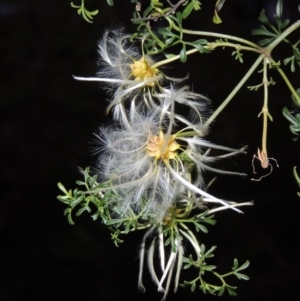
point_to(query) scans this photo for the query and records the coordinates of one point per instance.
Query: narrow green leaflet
(86, 15)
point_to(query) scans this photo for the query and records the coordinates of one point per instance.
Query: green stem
(223, 276)
(173, 58)
(235, 90)
(217, 35)
(288, 83)
(265, 110)
(236, 46)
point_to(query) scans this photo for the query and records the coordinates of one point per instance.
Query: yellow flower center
(157, 147)
(141, 70)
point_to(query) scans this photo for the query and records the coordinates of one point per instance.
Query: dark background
(47, 121)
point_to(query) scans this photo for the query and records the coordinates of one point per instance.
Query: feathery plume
(149, 163)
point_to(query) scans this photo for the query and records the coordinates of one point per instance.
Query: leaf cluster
(104, 203)
(203, 267)
(273, 31)
(293, 118)
(166, 37)
(86, 14)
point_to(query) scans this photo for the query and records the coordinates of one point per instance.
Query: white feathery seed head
(123, 68)
(150, 163)
(131, 80)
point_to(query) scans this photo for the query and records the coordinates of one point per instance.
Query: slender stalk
(288, 83)
(215, 34)
(236, 46)
(235, 90)
(265, 110)
(173, 58)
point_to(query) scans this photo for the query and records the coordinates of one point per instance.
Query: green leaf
(179, 17)
(231, 292)
(216, 19)
(294, 98)
(110, 2)
(69, 216)
(241, 276)
(218, 7)
(147, 11)
(188, 9)
(81, 210)
(74, 6)
(201, 227)
(182, 55)
(208, 267)
(289, 116)
(279, 8)
(209, 254)
(166, 32)
(243, 266)
(285, 23)
(113, 222)
(263, 31)
(77, 200)
(193, 286)
(265, 42)
(221, 291)
(62, 188)
(235, 264)
(95, 216)
(263, 18)
(170, 40)
(296, 176)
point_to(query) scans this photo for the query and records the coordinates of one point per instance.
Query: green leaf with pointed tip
(241, 276)
(179, 18)
(62, 188)
(263, 18)
(244, 266)
(221, 291)
(182, 55)
(263, 31)
(193, 286)
(201, 227)
(208, 267)
(265, 42)
(166, 32)
(231, 292)
(188, 9)
(74, 6)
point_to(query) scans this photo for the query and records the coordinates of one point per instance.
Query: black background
(47, 121)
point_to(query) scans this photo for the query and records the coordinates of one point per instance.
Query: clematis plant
(149, 175)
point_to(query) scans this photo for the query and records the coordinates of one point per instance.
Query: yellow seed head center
(141, 70)
(158, 147)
